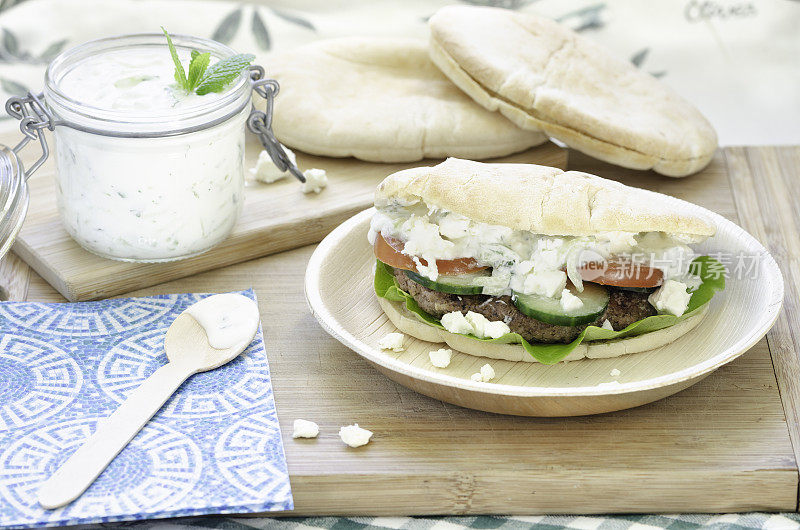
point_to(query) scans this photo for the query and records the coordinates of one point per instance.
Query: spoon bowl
(186, 343)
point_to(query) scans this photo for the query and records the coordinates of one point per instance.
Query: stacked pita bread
(400, 100)
(383, 100)
(544, 77)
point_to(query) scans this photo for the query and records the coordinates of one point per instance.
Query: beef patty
(624, 308)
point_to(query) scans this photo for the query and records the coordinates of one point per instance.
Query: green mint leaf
(223, 72)
(197, 67)
(180, 74)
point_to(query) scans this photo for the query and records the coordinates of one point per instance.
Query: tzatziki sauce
(229, 319)
(522, 262)
(147, 199)
(137, 80)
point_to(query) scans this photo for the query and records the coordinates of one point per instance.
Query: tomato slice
(390, 251)
(621, 274)
(387, 252)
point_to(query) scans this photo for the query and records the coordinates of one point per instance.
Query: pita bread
(540, 199)
(382, 100)
(406, 322)
(545, 77)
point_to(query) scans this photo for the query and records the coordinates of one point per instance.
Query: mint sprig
(203, 79)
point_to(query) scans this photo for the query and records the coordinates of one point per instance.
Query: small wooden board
(721, 445)
(276, 217)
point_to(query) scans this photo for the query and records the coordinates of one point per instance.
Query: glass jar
(13, 197)
(137, 181)
(144, 172)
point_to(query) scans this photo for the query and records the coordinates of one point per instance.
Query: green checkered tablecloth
(770, 521)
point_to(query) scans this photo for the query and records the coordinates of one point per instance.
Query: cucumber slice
(544, 309)
(456, 284)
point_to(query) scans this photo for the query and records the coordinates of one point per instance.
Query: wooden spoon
(189, 351)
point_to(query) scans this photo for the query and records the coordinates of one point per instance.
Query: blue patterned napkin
(215, 447)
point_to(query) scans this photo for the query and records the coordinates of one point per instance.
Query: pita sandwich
(545, 77)
(383, 100)
(530, 263)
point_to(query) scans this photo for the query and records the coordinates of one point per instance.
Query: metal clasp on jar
(260, 123)
(33, 116)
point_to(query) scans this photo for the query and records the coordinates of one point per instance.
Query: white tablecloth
(737, 60)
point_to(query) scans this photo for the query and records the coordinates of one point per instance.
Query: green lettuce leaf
(711, 272)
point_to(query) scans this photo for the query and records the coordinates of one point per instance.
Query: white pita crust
(383, 100)
(541, 199)
(545, 77)
(406, 322)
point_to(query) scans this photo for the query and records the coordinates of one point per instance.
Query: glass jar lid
(13, 197)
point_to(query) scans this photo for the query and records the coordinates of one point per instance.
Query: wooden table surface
(724, 444)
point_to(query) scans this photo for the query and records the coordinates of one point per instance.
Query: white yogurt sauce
(131, 79)
(228, 319)
(147, 199)
(521, 261)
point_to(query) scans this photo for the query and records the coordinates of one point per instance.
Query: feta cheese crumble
(615, 373)
(495, 329)
(316, 180)
(453, 226)
(392, 341)
(570, 302)
(618, 241)
(440, 358)
(474, 324)
(545, 283)
(485, 375)
(305, 429)
(455, 322)
(607, 325)
(355, 436)
(266, 171)
(671, 298)
(478, 322)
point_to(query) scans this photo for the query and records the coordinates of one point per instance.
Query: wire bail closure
(260, 123)
(33, 117)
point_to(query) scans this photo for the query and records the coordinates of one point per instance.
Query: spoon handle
(111, 436)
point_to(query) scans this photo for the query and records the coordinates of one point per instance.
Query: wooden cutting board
(275, 217)
(723, 444)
